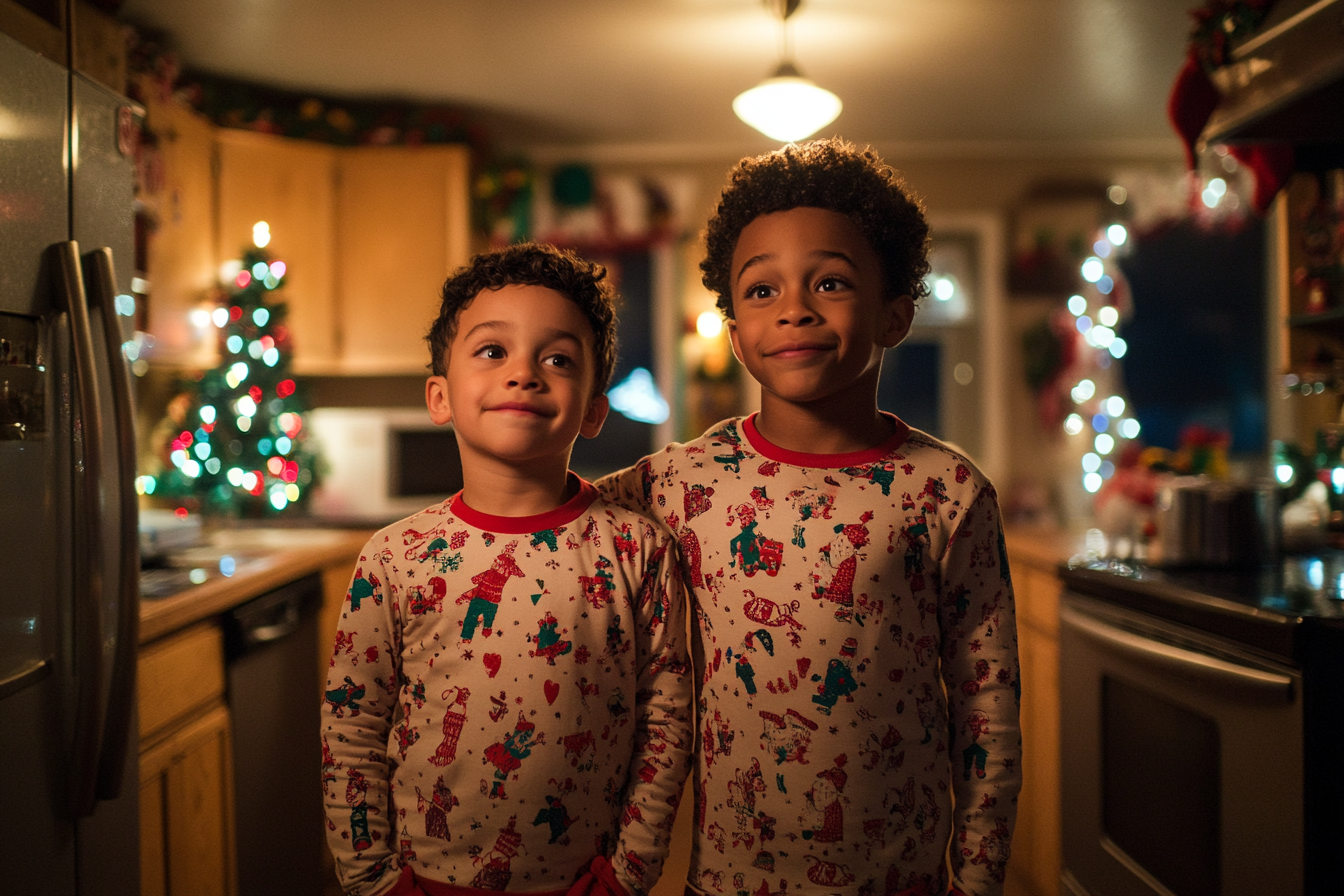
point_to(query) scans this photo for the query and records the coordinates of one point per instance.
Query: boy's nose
(524, 376)
(795, 309)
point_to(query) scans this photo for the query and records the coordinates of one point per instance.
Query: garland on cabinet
(233, 441)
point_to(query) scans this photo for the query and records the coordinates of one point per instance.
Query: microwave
(381, 464)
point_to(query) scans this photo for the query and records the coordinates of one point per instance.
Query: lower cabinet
(186, 767)
(1034, 867)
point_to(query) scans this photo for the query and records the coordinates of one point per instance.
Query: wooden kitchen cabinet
(402, 224)
(1034, 867)
(186, 767)
(181, 263)
(289, 184)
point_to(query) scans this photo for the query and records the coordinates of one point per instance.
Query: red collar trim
(567, 512)
(765, 448)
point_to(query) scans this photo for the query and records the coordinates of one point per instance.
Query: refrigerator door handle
(88, 581)
(101, 283)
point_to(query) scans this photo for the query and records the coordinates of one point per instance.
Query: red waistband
(408, 884)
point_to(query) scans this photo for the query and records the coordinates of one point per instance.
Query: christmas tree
(237, 445)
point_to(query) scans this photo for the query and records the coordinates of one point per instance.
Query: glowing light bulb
(1092, 269)
(1129, 428)
(261, 234)
(1118, 347)
(1092, 482)
(1073, 424)
(260, 316)
(709, 324)
(1077, 305)
(220, 317)
(1117, 234)
(1091, 462)
(1284, 473)
(1115, 405)
(1104, 443)
(207, 414)
(1083, 391)
(1108, 316)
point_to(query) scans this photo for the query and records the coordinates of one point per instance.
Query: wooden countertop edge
(163, 616)
(1040, 546)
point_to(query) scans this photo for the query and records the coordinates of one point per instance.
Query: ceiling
(655, 78)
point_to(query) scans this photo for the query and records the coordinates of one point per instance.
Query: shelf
(1322, 319)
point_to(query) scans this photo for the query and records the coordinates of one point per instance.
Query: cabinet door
(180, 266)
(186, 810)
(1036, 840)
(290, 185)
(402, 226)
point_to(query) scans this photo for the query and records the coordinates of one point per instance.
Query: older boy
(508, 696)
(854, 639)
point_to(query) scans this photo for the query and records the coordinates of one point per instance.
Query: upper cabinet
(402, 225)
(1286, 82)
(368, 235)
(289, 184)
(180, 204)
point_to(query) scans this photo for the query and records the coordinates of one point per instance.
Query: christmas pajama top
(507, 698)
(856, 653)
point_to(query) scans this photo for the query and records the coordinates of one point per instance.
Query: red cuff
(598, 880)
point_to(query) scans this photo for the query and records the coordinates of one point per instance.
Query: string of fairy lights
(1099, 410)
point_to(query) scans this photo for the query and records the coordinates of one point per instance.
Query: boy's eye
(490, 352)
(563, 361)
(831, 284)
(759, 291)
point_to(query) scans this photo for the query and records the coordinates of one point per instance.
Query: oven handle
(1254, 683)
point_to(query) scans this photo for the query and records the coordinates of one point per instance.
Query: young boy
(854, 633)
(508, 701)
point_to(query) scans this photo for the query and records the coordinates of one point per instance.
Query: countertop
(261, 559)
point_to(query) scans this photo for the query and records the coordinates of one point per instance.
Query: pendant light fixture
(787, 106)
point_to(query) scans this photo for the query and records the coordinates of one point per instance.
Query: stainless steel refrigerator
(68, 547)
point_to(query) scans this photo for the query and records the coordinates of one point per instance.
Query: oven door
(1181, 760)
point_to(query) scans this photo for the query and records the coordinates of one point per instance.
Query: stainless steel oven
(1182, 759)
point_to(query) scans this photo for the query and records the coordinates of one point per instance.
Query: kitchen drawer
(179, 674)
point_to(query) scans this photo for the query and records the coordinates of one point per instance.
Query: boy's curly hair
(531, 264)
(831, 174)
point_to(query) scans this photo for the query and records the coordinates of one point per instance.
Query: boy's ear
(732, 340)
(900, 315)
(436, 399)
(594, 417)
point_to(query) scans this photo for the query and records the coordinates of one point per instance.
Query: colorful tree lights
(237, 445)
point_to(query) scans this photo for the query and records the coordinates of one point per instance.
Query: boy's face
(521, 368)
(811, 314)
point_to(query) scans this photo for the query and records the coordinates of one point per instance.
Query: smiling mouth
(798, 350)
(521, 408)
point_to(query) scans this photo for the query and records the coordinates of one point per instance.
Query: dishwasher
(272, 656)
